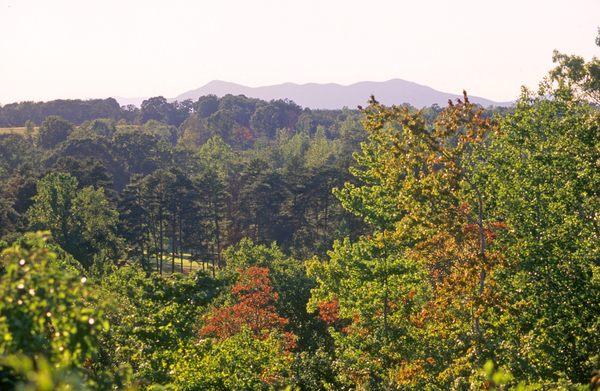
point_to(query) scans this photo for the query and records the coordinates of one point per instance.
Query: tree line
(183, 190)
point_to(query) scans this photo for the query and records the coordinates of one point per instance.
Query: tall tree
(543, 176)
(53, 131)
(83, 222)
(576, 76)
(427, 271)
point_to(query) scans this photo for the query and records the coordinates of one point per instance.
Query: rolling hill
(335, 96)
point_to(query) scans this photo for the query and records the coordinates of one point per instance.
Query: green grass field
(17, 130)
(187, 264)
(22, 129)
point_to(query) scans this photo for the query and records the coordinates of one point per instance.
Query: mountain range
(331, 95)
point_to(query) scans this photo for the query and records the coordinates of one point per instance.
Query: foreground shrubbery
(48, 314)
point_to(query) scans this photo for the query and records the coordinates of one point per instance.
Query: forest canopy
(232, 243)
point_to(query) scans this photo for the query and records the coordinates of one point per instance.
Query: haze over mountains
(331, 95)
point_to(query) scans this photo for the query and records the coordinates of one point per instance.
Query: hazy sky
(66, 49)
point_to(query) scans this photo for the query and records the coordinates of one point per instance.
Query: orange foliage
(329, 311)
(255, 309)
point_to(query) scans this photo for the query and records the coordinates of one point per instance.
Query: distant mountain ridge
(336, 96)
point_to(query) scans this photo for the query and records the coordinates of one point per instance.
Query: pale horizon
(66, 49)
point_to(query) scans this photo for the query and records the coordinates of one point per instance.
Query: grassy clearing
(16, 130)
(187, 264)
(22, 129)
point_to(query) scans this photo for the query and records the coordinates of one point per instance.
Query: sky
(52, 49)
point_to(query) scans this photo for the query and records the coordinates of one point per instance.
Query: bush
(242, 362)
(47, 311)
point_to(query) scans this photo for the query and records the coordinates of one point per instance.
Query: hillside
(336, 96)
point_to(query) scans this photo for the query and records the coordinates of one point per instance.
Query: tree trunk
(161, 239)
(180, 242)
(483, 273)
(173, 242)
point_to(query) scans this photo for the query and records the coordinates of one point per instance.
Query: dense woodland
(233, 243)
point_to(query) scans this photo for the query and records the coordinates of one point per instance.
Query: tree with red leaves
(254, 309)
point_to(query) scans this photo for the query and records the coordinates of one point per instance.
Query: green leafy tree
(206, 105)
(241, 362)
(129, 142)
(422, 280)
(37, 374)
(52, 206)
(102, 127)
(96, 222)
(543, 173)
(151, 317)
(576, 76)
(47, 310)
(88, 171)
(134, 224)
(53, 131)
(216, 160)
(83, 222)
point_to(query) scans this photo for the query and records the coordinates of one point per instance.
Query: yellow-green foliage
(241, 362)
(45, 309)
(48, 313)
